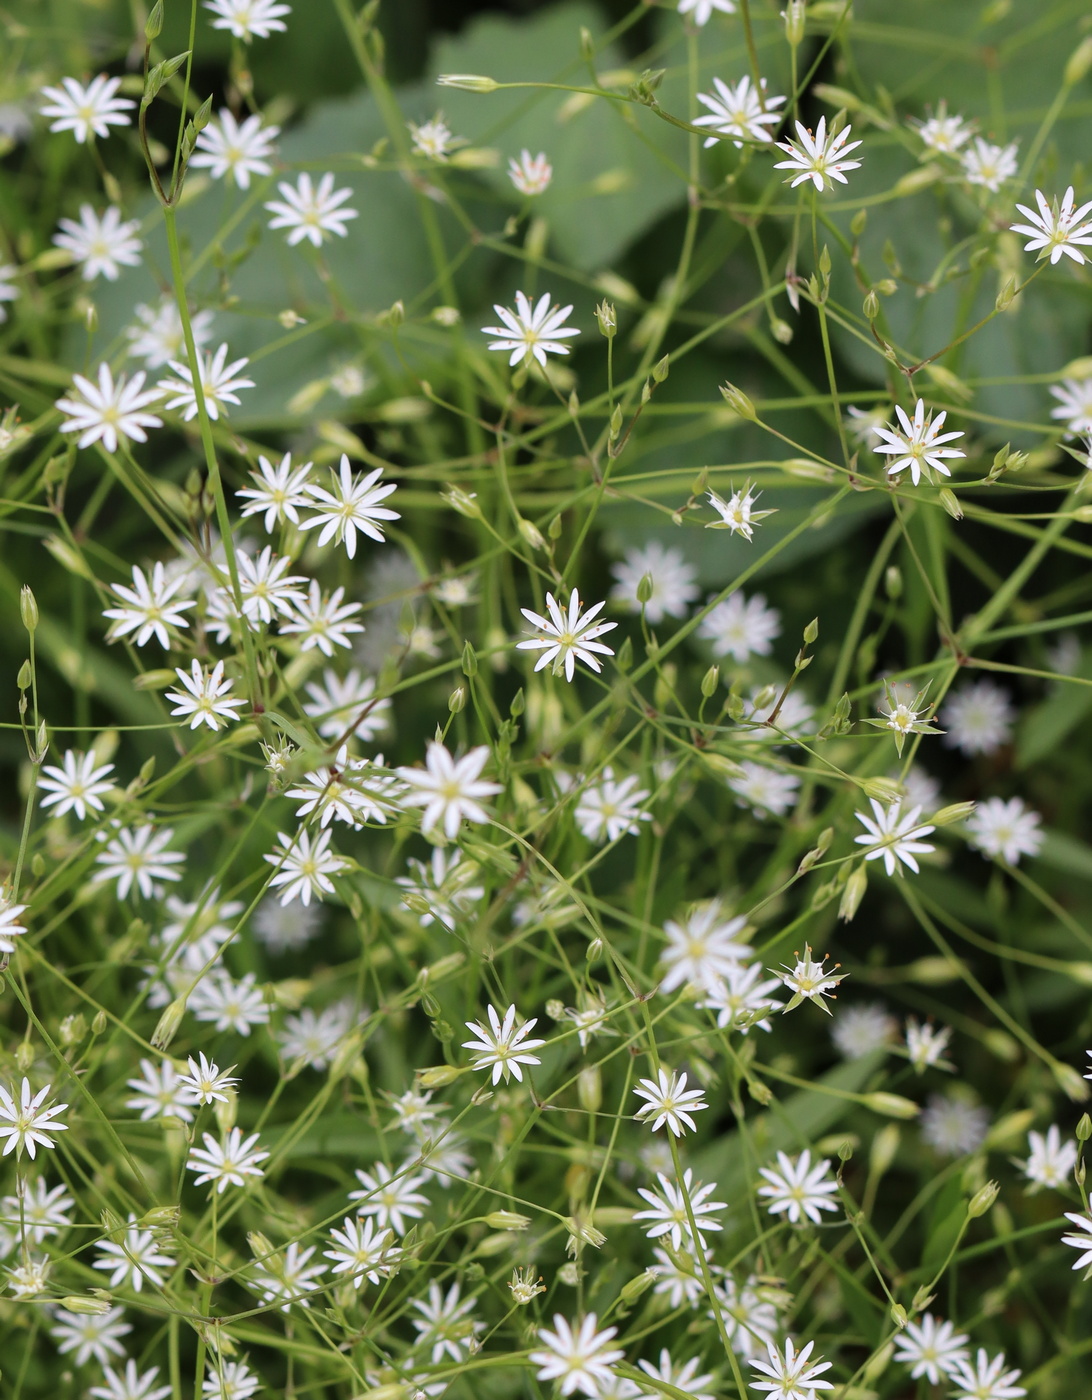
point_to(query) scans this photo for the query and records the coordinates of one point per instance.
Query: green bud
(397, 314)
(892, 582)
(950, 503)
(709, 682)
(438, 1076)
(160, 74)
(660, 369)
(555, 527)
(607, 318)
(1084, 1128)
(738, 401)
(811, 631)
(518, 705)
(1007, 294)
(858, 223)
(589, 1088)
(507, 1220)
(853, 893)
(28, 608)
(470, 660)
(91, 1307)
(983, 1199)
(25, 677)
(99, 1024)
(796, 16)
(884, 1147)
(587, 44)
(616, 421)
(1080, 62)
(574, 404)
(153, 26)
(167, 1026)
(645, 588)
(456, 701)
(468, 82)
(871, 305)
(898, 1315)
(954, 812)
(531, 534)
(633, 1289)
(624, 658)
(891, 1105)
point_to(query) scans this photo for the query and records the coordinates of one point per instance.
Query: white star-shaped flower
(567, 637)
(531, 331)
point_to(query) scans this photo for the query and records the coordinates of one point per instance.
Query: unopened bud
(853, 893)
(871, 305)
(954, 812)
(891, 1105)
(1080, 61)
(595, 950)
(811, 631)
(1007, 294)
(468, 82)
(892, 582)
(884, 1147)
(661, 369)
(438, 1076)
(226, 1111)
(645, 588)
(589, 1088)
(738, 401)
(795, 21)
(709, 681)
(167, 1026)
(633, 1289)
(397, 314)
(470, 660)
(153, 25)
(90, 1307)
(456, 701)
(983, 1199)
(28, 609)
(463, 502)
(950, 502)
(25, 678)
(532, 535)
(898, 1315)
(507, 1220)
(1084, 1128)
(1070, 1082)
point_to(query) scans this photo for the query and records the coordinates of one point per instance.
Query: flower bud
(531, 534)
(438, 1076)
(470, 660)
(468, 82)
(1080, 61)
(456, 701)
(891, 1105)
(884, 1147)
(226, 1111)
(25, 678)
(589, 1088)
(1070, 1082)
(1084, 1128)
(168, 1023)
(853, 893)
(983, 1199)
(795, 13)
(738, 401)
(871, 305)
(709, 681)
(634, 1287)
(28, 609)
(645, 588)
(811, 631)
(153, 25)
(950, 501)
(91, 1307)
(1007, 294)
(898, 1315)
(465, 503)
(607, 317)
(507, 1220)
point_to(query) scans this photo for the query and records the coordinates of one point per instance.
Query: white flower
(988, 165)
(1074, 404)
(445, 1323)
(352, 505)
(765, 790)
(133, 1385)
(247, 19)
(576, 1355)
(1056, 230)
(267, 591)
(702, 948)
(531, 332)
(738, 513)
(227, 1163)
(102, 246)
(229, 1005)
(340, 704)
(236, 150)
(362, 1251)
(304, 867)
(278, 491)
(1005, 830)
(322, 620)
(1050, 1160)
(351, 790)
(818, 158)
(90, 1335)
(953, 1125)
(798, 1190)
(986, 1379)
(611, 809)
(749, 1313)
(567, 637)
(809, 980)
(702, 10)
(158, 338)
(862, 1030)
(36, 1211)
(931, 1348)
(502, 1045)
(1082, 1240)
(229, 1380)
(893, 837)
(668, 1100)
(311, 213)
(151, 606)
(741, 627)
(741, 1000)
(10, 927)
(24, 1123)
(531, 175)
(390, 1196)
(433, 139)
(76, 785)
(978, 718)
(944, 134)
(162, 1093)
(449, 789)
(918, 443)
(30, 1278)
(926, 1044)
(441, 891)
(741, 111)
(673, 585)
(316, 1038)
(100, 412)
(205, 697)
(668, 1212)
(138, 854)
(793, 1376)
(206, 1081)
(285, 928)
(218, 384)
(289, 1276)
(87, 111)
(684, 1378)
(136, 1258)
